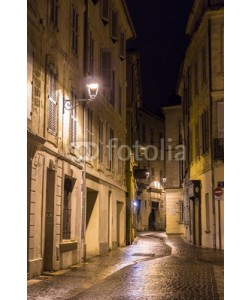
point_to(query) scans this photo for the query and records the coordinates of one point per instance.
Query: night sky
(161, 41)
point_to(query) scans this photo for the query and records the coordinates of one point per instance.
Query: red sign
(218, 192)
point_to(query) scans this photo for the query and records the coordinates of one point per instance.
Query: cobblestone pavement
(154, 267)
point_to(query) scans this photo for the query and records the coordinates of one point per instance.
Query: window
(73, 119)
(120, 100)
(91, 54)
(107, 74)
(30, 55)
(74, 31)
(112, 98)
(207, 213)
(68, 184)
(122, 45)
(101, 126)
(197, 141)
(220, 119)
(222, 49)
(105, 10)
(89, 132)
(205, 132)
(52, 97)
(110, 148)
(114, 25)
(204, 66)
(119, 159)
(196, 78)
(190, 145)
(54, 13)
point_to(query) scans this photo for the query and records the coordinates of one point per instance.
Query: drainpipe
(211, 132)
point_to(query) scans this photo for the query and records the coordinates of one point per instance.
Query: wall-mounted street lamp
(92, 88)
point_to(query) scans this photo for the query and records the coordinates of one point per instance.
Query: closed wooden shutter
(122, 45)
(114, 26)
(29, 78)
(52, 109)
(105, 10)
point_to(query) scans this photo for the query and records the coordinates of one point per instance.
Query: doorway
(49, 221)
(119, 227)
(92, 223)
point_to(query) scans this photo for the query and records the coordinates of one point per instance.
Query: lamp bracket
(71, 104)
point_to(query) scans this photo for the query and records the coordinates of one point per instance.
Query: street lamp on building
(92, 88)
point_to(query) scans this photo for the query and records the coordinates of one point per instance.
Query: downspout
(211, 131)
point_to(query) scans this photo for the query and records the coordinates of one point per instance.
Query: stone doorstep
(56, 273)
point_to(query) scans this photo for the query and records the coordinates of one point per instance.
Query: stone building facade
(76, 195)
(150, 199)
(201, 86)
(174, 156)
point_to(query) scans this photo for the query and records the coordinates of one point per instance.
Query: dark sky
(161, 41)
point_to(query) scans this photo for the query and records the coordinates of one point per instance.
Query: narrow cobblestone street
(154, 267)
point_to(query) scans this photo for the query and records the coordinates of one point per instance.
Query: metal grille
(66, 223)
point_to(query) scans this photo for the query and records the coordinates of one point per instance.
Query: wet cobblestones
(188, 273)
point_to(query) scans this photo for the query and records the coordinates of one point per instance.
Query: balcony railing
(218, 145)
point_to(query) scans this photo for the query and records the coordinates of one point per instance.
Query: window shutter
(74, 31)
(220, 119)
(122, 45)
(114, 25)
(108, 154)
(112, 100)
(29, 78)
(52, 113)
(105, 10)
